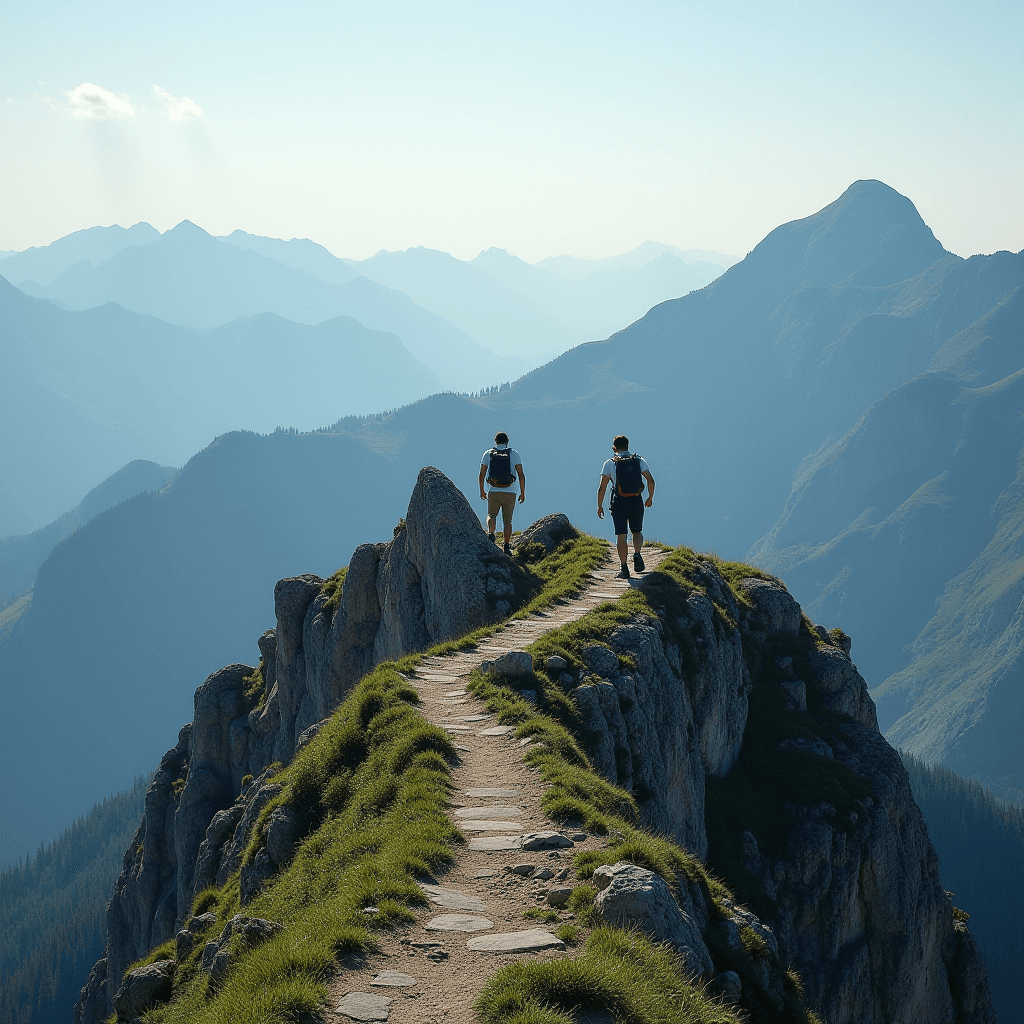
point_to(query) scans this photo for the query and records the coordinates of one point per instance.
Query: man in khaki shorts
(499, 467)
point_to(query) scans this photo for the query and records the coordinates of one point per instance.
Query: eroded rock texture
(438, 578)
(856, 907)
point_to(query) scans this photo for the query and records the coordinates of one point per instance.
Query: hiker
(629, 471)
(496, 468)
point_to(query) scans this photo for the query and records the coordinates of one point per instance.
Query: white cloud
(97, 104)
(179, 108)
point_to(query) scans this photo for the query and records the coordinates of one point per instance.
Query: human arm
(483, 473)
(522, 482)
(650, 488)
(605, 481)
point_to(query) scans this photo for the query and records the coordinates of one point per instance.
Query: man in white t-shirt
(499, 467)
(626, 471)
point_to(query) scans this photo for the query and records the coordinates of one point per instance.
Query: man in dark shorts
(626, 472)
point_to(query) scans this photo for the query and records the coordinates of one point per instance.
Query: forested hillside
(980, 842)
(53, 923)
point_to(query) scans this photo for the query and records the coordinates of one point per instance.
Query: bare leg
(492, 524)
(638, 542)
(622, 546)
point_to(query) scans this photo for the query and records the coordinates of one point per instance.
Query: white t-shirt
(608, 469)
(514, 460)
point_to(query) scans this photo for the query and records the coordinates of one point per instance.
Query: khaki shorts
(506, 501)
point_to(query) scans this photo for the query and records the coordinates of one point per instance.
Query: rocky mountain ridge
(671, 706)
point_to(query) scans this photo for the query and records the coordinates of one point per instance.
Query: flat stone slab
(473, 718)
(456, 728)
(544, 841)
(394, 979)
(453, 900)
(516, 942)
(484, 873)
(493, 844)
(469, 825)
(500, 794)
(458, 923)
(455, 693)
(364, 1006)
(498, 730)
(488, 812)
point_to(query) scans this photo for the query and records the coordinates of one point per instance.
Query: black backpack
(499, 473)
(629, 482)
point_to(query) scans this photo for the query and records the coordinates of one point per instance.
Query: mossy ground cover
(371, 790)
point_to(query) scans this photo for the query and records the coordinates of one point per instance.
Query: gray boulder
(549, 532)
(143, 988)
(600, 659)
(282, 832)
(514, 663)
(633, 897)
(776, 608)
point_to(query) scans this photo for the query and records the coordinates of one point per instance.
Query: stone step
(451, 899)
(531, 940)
(488, 812)
(458, 923)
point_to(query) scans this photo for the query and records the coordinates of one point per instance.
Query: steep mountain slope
(85, 392)
(20, 557)
(42, 264)
(53, 910)
(303, 814)
(980, 843)
(188, 277)
(917, 503)
(724, 391)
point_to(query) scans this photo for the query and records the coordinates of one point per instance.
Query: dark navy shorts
(628, 511)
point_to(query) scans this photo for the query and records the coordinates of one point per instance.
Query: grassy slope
(371, 791)
(616, 971)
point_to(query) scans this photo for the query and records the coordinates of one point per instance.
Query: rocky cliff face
(437, 579)
(855, 905)
(727, 684)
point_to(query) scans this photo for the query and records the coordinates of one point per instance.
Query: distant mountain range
(729, 392)
(85, 392)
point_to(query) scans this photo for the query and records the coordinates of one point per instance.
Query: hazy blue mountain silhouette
(725, 391)
(512, 305)
(507, 304)
(189, 277)
(576, 268)
(85, 392)
(42, 264)
(21, 556)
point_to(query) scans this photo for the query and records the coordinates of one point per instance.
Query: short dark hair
(501, 437)
(621, 443)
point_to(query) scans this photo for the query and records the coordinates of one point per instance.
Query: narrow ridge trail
(426, 973)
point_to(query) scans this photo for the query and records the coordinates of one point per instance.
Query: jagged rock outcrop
(854, 903)
(634, 897)
(548, 532)
(438, 578)
(858, 907)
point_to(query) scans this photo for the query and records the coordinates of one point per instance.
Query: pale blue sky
(541, 128)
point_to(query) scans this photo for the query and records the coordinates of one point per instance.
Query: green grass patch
(568, 933)
(541, 914)
(370, 791)
(616, 971)
(332, 589)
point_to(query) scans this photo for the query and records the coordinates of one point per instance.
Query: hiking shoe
(623, 573)
(490, 537)
(638, 562)
(507, 548)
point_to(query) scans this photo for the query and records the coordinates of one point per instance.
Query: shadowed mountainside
(724, 391)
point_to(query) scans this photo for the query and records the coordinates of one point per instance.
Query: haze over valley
(287, 735)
